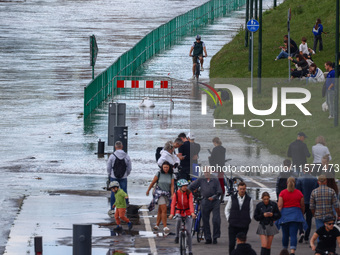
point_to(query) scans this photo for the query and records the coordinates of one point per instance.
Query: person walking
(298, 151)
(242, 247)
(119, 168)
(162, 193)
(328, 236)
(210, 192)
(330, 88)
(195, 149)
(184, 156)
(120, 205)
(306, 183)
(217, 161)
(292, 207)
(318, 31)
(281, 181)
(319, 150)
(266, 212)
(239, 212)
(182, 205)
(322, 201)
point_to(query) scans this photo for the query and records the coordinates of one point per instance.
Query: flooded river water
(44, 66)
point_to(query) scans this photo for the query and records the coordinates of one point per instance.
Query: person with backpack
(183, 206)
(119, 168)
(161, 195)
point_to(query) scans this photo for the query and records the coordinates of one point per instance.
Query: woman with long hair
(318, 31)
(266, 212)
(162, 193)
(292, 207)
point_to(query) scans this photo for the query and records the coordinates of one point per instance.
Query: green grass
(232, 62)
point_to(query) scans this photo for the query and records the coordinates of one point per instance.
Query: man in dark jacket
(210, 192)
(306, 183)
(239, 212)
(242, 248)
(298, 151)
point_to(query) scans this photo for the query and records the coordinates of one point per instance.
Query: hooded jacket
(120, 154)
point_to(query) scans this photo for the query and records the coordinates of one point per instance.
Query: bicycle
(197, 68)
(197, 226)
(231, 183)
(183, 246)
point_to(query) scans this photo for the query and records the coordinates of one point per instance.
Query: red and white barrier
(141, 84)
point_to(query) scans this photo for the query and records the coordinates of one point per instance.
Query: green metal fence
(160, 38)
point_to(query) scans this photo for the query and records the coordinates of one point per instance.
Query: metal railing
(155, 41)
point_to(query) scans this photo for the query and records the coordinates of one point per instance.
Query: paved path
(166, 245)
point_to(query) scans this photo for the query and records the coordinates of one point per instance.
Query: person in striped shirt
(322, 201)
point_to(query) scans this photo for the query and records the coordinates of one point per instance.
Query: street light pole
(259, 68)
(336, 101)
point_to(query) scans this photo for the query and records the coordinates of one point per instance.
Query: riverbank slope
(231, 63)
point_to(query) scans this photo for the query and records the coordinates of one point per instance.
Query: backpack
(158, 153)
(119, 167)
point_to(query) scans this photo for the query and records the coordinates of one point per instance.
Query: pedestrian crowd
(301, 195)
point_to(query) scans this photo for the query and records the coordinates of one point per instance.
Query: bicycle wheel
(200, 232)
(235, 181)
(182, 243)
(198, 70)
(193, 229)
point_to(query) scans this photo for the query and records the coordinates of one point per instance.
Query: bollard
(38, 246)
(101, 146)
(82, 242)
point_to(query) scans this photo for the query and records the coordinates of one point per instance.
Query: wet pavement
(52, 215)
(46, 144)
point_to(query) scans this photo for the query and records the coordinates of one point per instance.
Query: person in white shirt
(303, 48)
(315, 74)
(239, 212)
(319, 150)
(167, 154)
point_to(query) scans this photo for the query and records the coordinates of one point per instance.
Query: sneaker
(193, 77)
(118, 228)
(130, 225)
(155, 227)
(215, 241)
(330, 117)
(177, 239)
(275, 59)
(208, 241)
(166, 230)
(202, 69)
(302, 236)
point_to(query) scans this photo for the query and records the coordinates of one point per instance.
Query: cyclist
(328, 236)
(183, 205)
(196, 51)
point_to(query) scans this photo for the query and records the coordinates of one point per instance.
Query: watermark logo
(239, 104)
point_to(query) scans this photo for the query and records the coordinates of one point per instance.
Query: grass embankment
(232, 62)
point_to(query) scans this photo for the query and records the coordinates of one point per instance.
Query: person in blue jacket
(317, 31)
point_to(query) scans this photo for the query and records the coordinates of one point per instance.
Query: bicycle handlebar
(176, 216)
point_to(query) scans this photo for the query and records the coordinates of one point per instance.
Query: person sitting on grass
(328, 237)
(303, 48)
(315, 74)
(120, 205)
(301, 67)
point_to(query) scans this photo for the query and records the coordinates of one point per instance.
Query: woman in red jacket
(182, 205)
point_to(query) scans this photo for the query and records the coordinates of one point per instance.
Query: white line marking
(147, 224)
